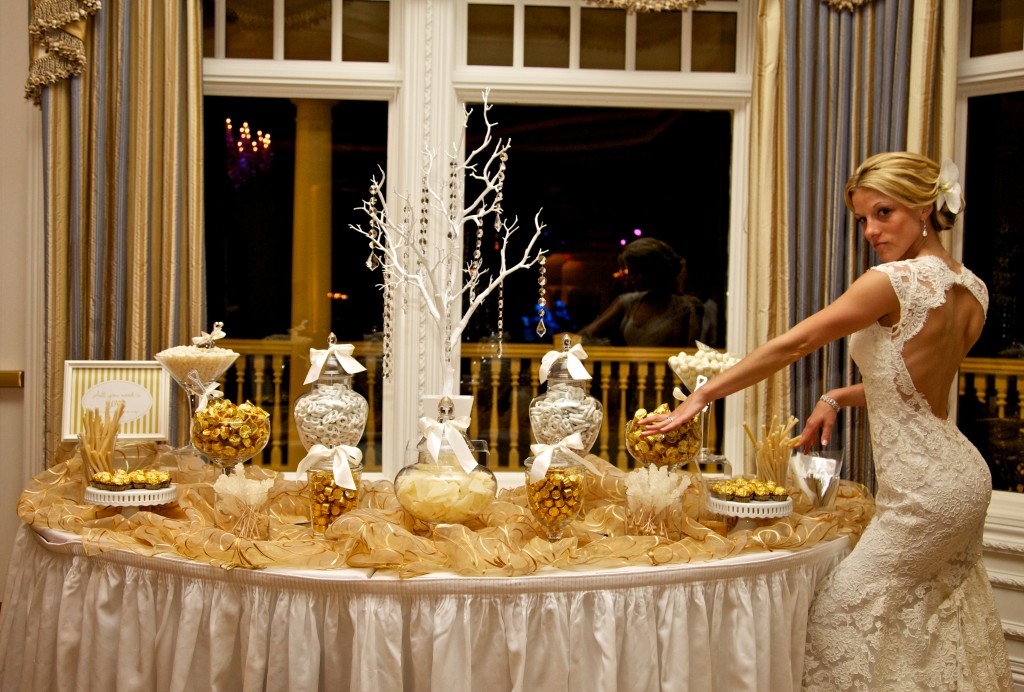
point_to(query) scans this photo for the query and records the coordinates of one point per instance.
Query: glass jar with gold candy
(330, 419)
(674, 449)
(230, 434)
(555, 489)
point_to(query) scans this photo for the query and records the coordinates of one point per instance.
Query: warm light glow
(337, 296)
(247, 157)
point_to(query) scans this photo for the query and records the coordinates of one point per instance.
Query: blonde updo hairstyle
(910, 179)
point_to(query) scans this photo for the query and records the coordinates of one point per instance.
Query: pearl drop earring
(924, 230)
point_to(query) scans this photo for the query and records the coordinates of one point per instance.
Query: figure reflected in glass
(657, 311)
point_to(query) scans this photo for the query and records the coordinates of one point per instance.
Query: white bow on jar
(452, 430)
(340, 456)
(542, 455)
(573, 361)
(343, 352)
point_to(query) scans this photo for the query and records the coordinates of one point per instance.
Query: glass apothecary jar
(565, 407)
(555, 490)
(330, 419)
(445, 484)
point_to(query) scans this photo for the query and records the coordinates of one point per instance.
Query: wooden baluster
(1001, 383)
(622, 459)
(241, 366)
(370, 455)
(534, 388)
(641, 385)
(606, 380)
(492, 430)
(981, 393)
(474, 389)
(281, 410)
(660, 372)
(1020, 396)
(259, 363)
(961, 385)
(513, 415)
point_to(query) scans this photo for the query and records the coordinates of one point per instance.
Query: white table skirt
(118, 621)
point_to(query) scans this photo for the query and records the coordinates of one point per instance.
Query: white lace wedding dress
(911, 608)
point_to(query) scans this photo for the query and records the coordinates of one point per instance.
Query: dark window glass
(546, 36)
(307, 30)
(997, 26)
(714, 42)
(599, 177)
(489, 35)
(659, 41)
(249, 29)
(365, 27)
(603, 39)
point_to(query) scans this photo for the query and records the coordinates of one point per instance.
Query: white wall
(20, 270)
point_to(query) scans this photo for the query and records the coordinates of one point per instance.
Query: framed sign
(143, 385)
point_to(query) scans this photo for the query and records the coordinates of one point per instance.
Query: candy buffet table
(121, 621)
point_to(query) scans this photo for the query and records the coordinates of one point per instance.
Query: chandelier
(246, 157)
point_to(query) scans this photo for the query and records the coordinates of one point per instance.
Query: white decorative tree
(437, 272)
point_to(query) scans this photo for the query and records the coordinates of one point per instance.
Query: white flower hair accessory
(949, 187)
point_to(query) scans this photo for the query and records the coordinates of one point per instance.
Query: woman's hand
(654, 425)
(822, 418)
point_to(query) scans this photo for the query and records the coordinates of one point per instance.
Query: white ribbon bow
(343, 352)
(340, 457)
(204, 390)
(949, 186)
(542, 455)
(452, 430)
(573, 358)
(205, 339)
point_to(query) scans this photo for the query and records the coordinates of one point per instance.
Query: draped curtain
(832, 87)
(123, 188)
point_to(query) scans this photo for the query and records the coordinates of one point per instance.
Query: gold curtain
(123, 192)
(768, 291)
(933, 63)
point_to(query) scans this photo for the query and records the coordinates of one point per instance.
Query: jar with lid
(445, 484)
(565, 407)
(555, 488)
(330, 419)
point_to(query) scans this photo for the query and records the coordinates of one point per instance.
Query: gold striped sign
(143, 385)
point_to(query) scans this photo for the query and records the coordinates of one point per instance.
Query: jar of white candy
(330, 419)
(446, 484)
(566, 407)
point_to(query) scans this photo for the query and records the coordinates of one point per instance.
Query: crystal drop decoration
(372, 262)
(541, 329)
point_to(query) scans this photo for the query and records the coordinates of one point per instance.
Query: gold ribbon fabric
(504, 541)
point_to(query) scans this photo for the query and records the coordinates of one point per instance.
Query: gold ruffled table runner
(504, 541)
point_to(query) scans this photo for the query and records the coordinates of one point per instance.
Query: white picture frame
(143, 385)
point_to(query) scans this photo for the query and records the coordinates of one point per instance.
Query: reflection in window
(997, 26)
(602, 177)
(546, 37)
(603, 39)
(489, 34)
(714, 42)
(661, 47)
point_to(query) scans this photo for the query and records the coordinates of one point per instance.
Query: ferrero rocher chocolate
(677, 446)
(223, 430)
(328, 501)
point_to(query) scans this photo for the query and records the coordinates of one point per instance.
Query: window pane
(997, 26)
(994, 250)
(307, 30)
(489, 35)
(209, 17)
(250, 29)
(603, 39)
(591, 174)
(546, 37)
(659, 41)
(714, 42)
(365, 26)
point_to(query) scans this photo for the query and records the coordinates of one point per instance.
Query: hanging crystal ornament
(499, 196)
(373, 262)
(474, 265)
(542, 301)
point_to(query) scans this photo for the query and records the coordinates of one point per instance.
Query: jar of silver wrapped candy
(566, 407)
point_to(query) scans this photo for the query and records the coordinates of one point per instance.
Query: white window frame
(426, 91)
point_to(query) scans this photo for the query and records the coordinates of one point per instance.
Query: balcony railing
(270, 373)
(623, 379)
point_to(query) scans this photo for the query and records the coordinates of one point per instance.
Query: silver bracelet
(830, 401)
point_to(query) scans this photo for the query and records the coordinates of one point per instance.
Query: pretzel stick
(98, 437)
(773, 451)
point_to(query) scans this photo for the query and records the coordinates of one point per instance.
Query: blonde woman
(911, 607)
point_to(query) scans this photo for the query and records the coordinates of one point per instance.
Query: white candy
(556, 415)
(331, 416)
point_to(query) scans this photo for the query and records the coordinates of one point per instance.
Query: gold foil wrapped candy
(327, 499)
(557, 497)
(228, 433)
(677, 446)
